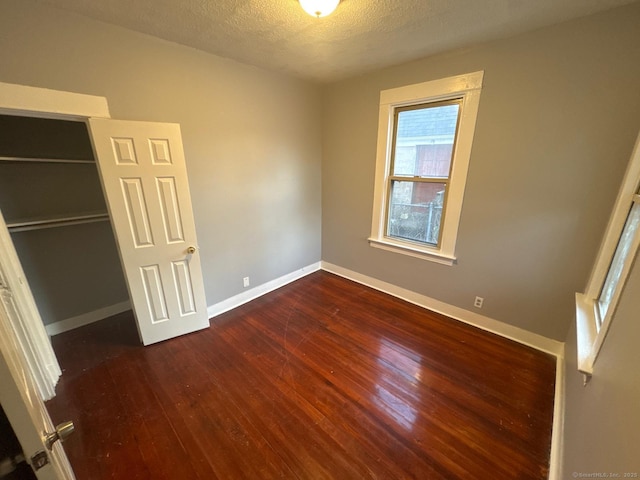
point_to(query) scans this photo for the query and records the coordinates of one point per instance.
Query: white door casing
(144, 178)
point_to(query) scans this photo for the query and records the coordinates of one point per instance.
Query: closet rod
(42, 223)
(43, 160)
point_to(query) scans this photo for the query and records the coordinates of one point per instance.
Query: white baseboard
(247, 296)
(557, 433)
(86, 318)
(517, 334)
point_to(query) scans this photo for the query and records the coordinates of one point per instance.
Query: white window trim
(589, 338)
(468, 88)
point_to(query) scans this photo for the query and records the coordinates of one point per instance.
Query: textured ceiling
(360, 36)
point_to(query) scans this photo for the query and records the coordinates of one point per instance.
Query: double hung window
(424, 145)
(424, 136)
(596, 307)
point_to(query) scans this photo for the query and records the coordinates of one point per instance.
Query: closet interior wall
(53, 204)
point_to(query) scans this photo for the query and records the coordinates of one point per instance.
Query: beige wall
(558, 117)
(602, 419)
(252, 138)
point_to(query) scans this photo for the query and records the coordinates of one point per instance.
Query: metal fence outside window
(417, 222)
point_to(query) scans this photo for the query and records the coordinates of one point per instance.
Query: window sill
(406, 249)
(586, 333)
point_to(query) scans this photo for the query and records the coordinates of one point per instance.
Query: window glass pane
(415, 210)
(617, 264)
(424, 141)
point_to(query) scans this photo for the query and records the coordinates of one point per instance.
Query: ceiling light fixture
(319, 8)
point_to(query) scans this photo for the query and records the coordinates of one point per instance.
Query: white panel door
(144, 178)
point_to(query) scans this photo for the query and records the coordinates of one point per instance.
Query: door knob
(191, 250)
(62, 433)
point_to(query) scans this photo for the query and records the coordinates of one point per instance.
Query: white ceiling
(360, 36)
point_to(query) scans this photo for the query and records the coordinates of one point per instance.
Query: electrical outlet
(245, 282)
(478, 302)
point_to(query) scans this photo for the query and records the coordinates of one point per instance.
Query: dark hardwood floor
(321, 379)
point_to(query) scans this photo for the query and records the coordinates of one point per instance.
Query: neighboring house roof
(432, 122)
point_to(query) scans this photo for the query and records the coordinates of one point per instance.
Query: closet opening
(55, 210)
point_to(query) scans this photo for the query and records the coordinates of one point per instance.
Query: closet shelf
(43, 160)
(39, 223)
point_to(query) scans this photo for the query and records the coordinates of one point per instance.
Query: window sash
(619, 266)
(402, 238)
(391, 178)
(425, 106)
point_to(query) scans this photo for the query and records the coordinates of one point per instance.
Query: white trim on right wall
(557, 429)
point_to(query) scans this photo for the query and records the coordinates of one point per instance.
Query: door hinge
(39, 460)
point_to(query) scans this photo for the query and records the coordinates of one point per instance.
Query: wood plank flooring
(321, 379)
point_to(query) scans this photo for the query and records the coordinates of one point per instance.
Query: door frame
(30, 101)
